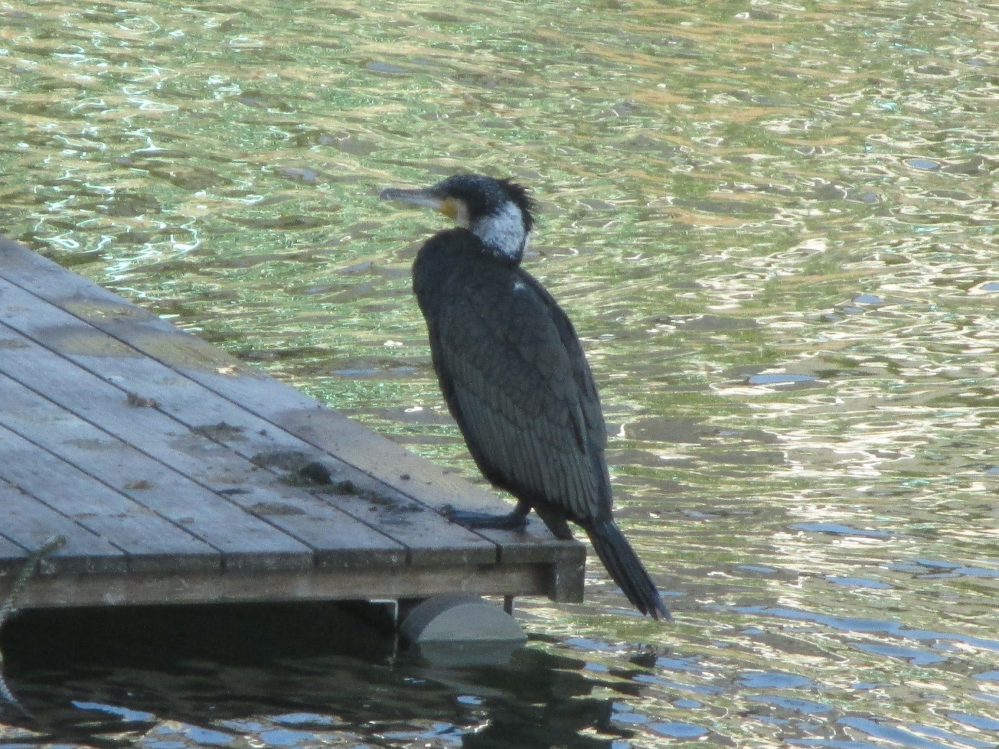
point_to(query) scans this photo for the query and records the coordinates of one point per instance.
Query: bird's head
(497, 211)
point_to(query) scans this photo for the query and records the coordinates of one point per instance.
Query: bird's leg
(515, 521)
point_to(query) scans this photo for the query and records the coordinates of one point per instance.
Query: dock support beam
(460, 629)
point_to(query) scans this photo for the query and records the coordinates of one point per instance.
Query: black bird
(514, 375)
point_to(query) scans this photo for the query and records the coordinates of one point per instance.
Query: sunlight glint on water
(773, 226)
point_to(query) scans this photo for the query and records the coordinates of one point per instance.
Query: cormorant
(514, 375)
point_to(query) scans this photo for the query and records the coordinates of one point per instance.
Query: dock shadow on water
(290, 675)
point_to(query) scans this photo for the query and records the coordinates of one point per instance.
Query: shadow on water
(301, 674)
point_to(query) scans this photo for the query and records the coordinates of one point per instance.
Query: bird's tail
(625, 567)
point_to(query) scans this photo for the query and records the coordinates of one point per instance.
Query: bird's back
(514, 377)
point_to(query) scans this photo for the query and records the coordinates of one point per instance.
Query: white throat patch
(503, 232)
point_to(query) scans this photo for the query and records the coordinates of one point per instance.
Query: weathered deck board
(151, 543)
(29, 524)
(404, 581)
(170, 467)
(12, 556)
(428, 541)
(245, 541)
(187, 450)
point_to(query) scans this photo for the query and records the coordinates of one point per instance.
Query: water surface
(774, 226)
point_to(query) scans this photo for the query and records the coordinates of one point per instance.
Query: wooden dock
(179, 474)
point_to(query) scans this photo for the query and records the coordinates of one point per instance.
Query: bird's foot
(515, 521)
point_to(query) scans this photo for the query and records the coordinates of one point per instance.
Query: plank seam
(235, 451)
(262, 417)
(228, 500)
(104, 483)
(57, 511)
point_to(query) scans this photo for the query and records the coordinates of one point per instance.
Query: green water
(773, 224)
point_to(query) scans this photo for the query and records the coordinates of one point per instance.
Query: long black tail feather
(627, 570)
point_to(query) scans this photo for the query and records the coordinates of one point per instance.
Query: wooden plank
(205, 453)
(293, 411)
(320, 585)
(429, 538)
(339, 539)
(29, 523)
(244, 540)
(12, 558)
(152, 543)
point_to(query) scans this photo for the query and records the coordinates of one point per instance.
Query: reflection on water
(286, 676)
(774, 225)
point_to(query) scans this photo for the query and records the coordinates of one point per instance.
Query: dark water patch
(124, 204)
(265, 101)
(74, 259)
(754, 435)
(975, 165)
(666, 430)
(932, 70)
(724, 207)
(742, 458)
(635, 458)
(301, 352)
(282, 676)
(711, 323)
(385, 67)
(372, 367)
(300, 174)
(288, 222)
(949, 195)
(186, 177)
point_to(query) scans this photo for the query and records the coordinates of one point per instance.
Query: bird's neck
(504, 232)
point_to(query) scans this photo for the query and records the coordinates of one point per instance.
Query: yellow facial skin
(455, 209)
(449, 208)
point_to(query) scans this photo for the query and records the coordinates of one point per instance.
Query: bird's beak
(425, 198)
(428, 197)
